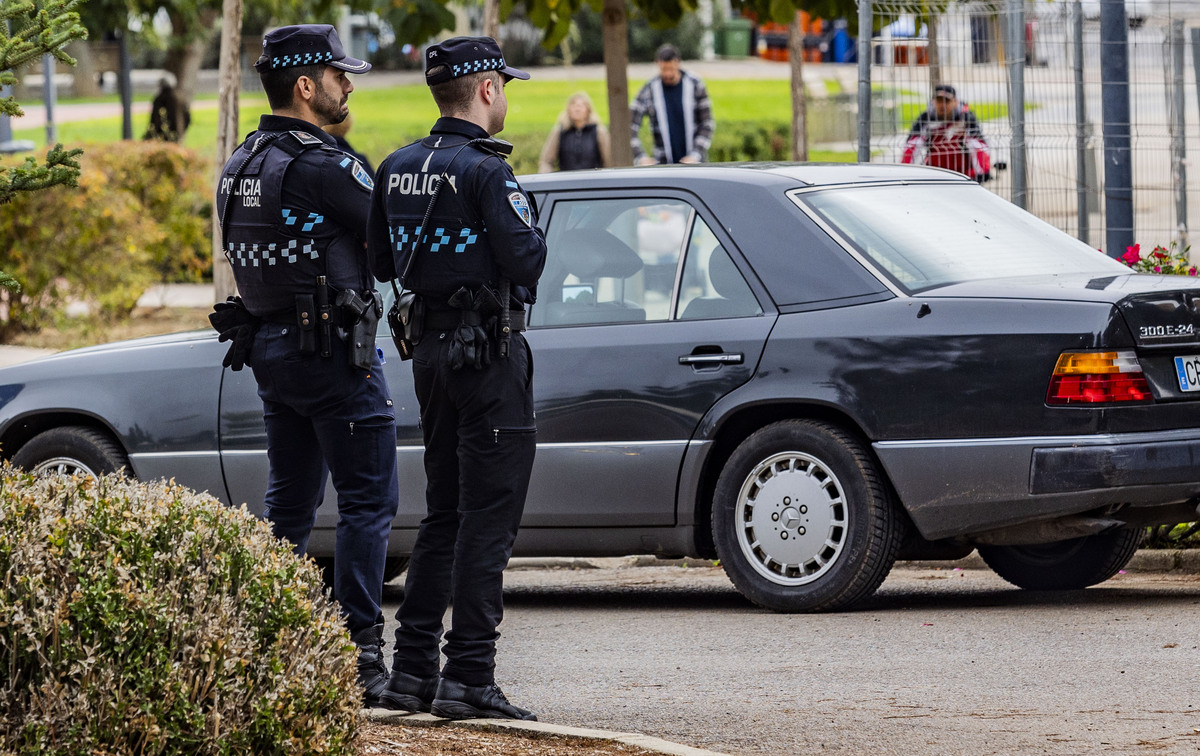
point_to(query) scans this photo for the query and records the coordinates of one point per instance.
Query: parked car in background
(802, 370)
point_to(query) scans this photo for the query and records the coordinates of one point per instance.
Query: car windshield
(923, 236)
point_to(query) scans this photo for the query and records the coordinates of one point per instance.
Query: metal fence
(1032, 73)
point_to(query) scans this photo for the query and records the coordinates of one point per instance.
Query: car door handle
(712, 359)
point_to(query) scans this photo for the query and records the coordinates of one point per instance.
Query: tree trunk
(183, 58)
(799, 105)
(616, 67)
(935, 60)
(491, 18)
(227, 131)
(86, 84)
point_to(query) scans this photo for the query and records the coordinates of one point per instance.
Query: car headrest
(726, 279)
(595, 253)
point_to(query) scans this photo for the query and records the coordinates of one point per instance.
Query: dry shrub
(139, 214)
(144, 618)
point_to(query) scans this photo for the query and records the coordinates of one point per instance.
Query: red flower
(1132, 255)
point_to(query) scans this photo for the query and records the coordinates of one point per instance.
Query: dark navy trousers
(480, 440)
(324, 415)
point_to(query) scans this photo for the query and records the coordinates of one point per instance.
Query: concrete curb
(603, 563)
(1145, 560)
(538, 729)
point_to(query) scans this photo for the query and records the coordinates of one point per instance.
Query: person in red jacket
(948, 136)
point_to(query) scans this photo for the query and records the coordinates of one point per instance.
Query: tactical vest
(273, 253)
(454, 248)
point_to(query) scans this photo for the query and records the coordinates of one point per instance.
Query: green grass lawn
(385, 119)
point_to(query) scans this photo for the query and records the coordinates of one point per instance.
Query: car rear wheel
(393, 568)
(71, 449)
(1064, 565)
(803, 520)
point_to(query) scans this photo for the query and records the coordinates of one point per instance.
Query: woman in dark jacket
(578, 140)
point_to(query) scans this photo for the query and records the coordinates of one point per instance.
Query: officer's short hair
(280, 83)
(456, 95)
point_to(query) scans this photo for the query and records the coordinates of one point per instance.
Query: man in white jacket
(680, 113)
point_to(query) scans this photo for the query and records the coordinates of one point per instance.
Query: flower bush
(1161, 260)
(144, 618)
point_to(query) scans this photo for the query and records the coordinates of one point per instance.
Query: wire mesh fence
(1030, 72)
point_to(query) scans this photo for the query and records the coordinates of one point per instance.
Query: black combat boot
(372, 672)
(457, 701)
(407, 692)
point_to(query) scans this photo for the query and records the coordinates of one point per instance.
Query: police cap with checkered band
(459, 56)
(306, 45)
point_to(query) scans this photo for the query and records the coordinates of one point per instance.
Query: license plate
(1188, 370)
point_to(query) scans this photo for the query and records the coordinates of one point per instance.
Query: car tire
(393, 568)
(1064, 565)
(803, 520)
(71, 449)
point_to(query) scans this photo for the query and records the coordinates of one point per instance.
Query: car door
(643, 321)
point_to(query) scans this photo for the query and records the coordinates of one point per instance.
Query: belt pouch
(306, 318)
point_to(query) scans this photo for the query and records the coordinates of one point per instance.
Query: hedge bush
(140, 214)
(145, 618)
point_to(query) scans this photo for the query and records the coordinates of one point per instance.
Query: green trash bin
(733, 40)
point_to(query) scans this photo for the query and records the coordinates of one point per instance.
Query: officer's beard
(327, 107)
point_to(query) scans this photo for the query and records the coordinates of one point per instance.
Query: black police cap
(459, 56)
(306, 45)
(944, 90)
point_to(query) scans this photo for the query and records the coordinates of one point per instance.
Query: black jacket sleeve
(379, 237)
(510, 217)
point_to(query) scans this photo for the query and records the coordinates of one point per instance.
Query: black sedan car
(802, 370)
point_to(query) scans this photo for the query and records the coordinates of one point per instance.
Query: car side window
(611, 261)
(712, 286)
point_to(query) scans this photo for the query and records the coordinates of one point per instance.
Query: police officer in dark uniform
(450, 206)
(293, 211)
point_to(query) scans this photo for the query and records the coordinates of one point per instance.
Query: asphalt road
(939, 662)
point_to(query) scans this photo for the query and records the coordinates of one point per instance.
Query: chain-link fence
(1031, 74)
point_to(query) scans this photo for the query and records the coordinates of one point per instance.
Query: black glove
(235, 324)
(469, 346)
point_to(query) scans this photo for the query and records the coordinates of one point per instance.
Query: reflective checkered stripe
(442, 238)
(258, 255)
(314, 219)
(301, 59)
(475, 66)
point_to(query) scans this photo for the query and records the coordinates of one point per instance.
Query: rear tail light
(1098, 378)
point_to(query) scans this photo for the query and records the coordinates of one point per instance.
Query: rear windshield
(925, 236)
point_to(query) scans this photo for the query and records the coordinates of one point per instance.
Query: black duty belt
(445, 320)
(290, 316)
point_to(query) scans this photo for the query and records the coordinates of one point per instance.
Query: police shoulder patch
(305, 138)
(520, 206)
(361, 176)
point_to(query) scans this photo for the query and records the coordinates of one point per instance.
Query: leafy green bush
(1182, 536)
(139, 214)
(145, 618)
(750, 141)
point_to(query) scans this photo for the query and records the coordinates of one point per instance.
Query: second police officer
(293, 211)
(462, 249)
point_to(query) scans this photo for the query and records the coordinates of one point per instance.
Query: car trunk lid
(1162, 314)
